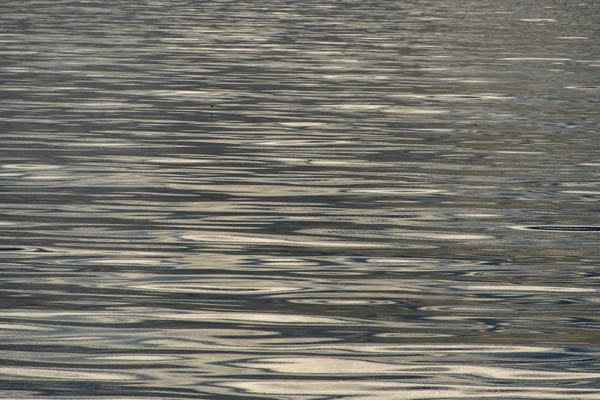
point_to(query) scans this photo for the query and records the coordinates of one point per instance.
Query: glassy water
(299, 199)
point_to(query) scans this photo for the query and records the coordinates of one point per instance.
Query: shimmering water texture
(299, 200)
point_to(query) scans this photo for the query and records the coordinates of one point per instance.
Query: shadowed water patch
(10, 249)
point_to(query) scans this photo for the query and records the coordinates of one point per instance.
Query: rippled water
(299, 199)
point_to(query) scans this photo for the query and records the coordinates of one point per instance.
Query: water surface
(299, 200)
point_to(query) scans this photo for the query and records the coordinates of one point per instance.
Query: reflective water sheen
(299, 200)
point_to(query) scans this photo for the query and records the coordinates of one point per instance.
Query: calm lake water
(300, 200)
